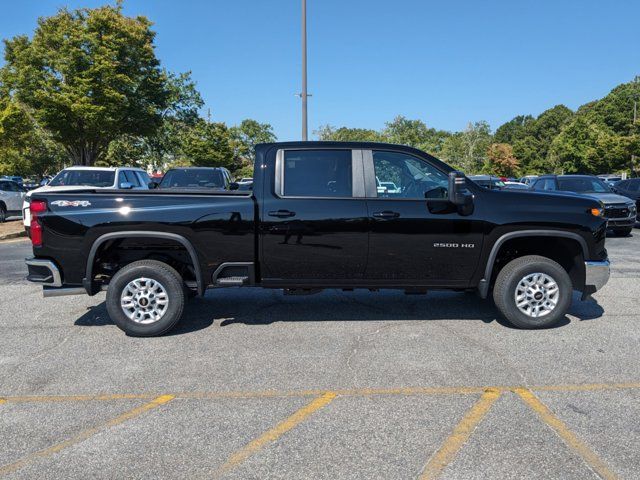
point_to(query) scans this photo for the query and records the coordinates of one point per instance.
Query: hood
(608, 198)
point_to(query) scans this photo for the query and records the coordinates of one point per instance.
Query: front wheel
(533, 292)
(3, 214)
(145, 298)
(622, 232)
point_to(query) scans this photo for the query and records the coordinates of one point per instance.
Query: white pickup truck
(79, 178)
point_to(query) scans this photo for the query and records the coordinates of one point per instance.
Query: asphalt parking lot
(356, 385)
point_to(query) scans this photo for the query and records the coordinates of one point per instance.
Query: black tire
(622, 232)
(3, 213)
(504, 291)
(169, 280)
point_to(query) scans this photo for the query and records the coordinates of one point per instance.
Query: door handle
(386, 214)
(282, 213)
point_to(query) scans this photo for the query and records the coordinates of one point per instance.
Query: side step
(231, 281)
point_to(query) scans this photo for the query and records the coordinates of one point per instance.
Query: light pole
(304, 95)
(636, 81)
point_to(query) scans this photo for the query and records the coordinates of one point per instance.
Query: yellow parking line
(80, 437)
(577, 445)
(461, 433)
(275, 433)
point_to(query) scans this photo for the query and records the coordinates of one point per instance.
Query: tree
(88, 76)
(515, 129)
(345, 134)
(414, 133)
(501, 161)
(467, 150)
(24, 148)
(207, 144)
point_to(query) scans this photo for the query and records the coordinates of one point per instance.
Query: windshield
(188, 178)
(582, 185)
(89, 178)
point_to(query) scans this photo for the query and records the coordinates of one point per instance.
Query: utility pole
(304, 95)
(635, 117)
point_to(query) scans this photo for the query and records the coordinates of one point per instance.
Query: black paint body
(328, 242)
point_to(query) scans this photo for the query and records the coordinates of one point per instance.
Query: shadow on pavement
(257, 307)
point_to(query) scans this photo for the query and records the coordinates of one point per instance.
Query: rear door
(417, 236)
(314, 218)
(11, 195)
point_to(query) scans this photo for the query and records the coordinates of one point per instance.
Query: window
(583, 185)
(193, 178)
(132, 178)
(89, 178)
(144, 178)
(633, 185)
(545, 184)
(317, 173)
(399, 175)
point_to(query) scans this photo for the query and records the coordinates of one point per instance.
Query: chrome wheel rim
(537, 295)
(144, 300)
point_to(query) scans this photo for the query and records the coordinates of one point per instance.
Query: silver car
(11, 198)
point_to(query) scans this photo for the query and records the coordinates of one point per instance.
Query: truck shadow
(264, 307)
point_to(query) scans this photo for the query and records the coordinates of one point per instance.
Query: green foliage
(344, 134)
(208, 144)
(415, 134)
(88, 76)
(467, 150)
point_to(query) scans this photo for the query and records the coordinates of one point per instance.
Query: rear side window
(144, 178)
(546, 184)
(633, 185)
(317, 173)
(131, 178)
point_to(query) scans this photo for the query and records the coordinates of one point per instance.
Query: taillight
(37, 207)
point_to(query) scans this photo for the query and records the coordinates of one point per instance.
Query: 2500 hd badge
(454, 245)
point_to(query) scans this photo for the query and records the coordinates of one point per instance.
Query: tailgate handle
(282, 213)
(386, 214)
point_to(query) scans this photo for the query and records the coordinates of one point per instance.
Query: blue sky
(445, 62)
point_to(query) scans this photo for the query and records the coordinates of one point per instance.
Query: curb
(9, 236)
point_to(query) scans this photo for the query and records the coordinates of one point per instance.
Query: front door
(417, 236)
(314, 218)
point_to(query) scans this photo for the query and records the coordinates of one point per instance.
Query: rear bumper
(596, 275)
(43, 271)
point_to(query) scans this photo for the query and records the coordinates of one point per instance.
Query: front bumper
(596, 275)
(621, 222)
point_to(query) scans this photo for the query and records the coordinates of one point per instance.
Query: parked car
(619, 211)
(81, 178)
(630, 189)
(11, 197)
(244, 180)
(14, 178)
(516, 186)
(528, 179)
(487, 181)
(211, 178)
(610, 180)
(316, 220)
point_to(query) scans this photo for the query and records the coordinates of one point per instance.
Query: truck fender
(88, 280)
(483, 286)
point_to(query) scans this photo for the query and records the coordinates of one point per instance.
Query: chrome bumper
(596, 274)
(43, 271)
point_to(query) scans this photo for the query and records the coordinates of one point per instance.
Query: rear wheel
(622, 232)
(146, 298)
(533, 292)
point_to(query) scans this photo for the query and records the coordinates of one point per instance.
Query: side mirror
(459, 195)
(126, 186)
(153, 185)
(234, 186)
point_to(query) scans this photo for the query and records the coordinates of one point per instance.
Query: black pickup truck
(319, 217)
